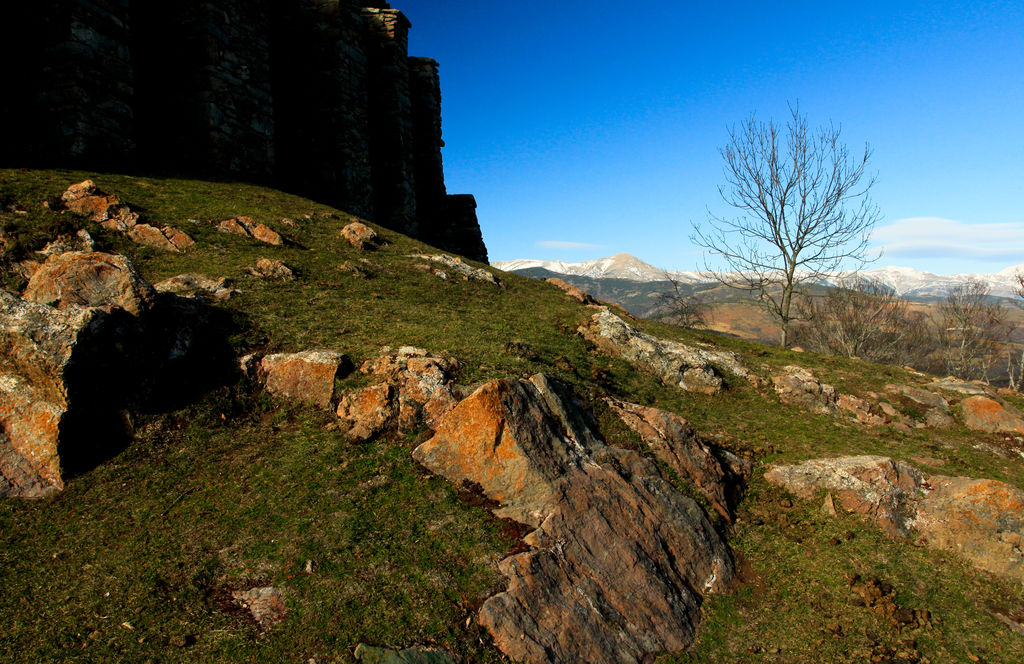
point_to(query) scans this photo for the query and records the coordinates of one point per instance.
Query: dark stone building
(319, 97)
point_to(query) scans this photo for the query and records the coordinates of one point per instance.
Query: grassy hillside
(136, 560)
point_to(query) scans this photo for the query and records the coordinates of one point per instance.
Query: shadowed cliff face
(318, 97)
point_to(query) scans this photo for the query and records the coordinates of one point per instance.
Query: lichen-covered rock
(875, 486)
(194, 285)
(799, 387)
(359, 235)
(620, 560)
(114, 214)
(577, 294)
(675, 442)
(167, 238)
(307, 376)
(920, 396)
(91, 279)
(272, 269)
(247, 227)
(369, 410)
(81, 241)
(687, 367)
(970, 388)
(461, 268)
(36, 347)
(984, 414)
(982, 520)
(416, 391)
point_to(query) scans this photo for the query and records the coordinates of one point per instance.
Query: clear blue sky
(599, 123)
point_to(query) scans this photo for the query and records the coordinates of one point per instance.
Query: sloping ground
(144, 556)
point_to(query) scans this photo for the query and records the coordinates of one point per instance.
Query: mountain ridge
(905, 281)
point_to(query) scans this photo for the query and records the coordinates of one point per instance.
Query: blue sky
(591, 128)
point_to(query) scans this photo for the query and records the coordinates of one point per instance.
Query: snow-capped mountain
(906, 281)
(619, 266)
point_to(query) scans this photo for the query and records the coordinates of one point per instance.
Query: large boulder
(91, 279)
(982, 520)
(37, 343)
(984, 414)
(691, 368)
(306, 376)
(619, 562)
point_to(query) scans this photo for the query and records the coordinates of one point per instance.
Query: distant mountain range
(908, 282)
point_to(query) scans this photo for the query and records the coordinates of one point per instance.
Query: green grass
(238, 490)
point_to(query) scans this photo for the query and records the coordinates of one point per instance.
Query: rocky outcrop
(114, 214)
(674, 441)
(982, 520)
(984, 414)
(246, 227)
(306, 376)
(577, 294)
(690, 368)
(620, 560)
(414, 390)
(90, 279)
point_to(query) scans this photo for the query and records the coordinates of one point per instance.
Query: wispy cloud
(935, 237)
(556, 244)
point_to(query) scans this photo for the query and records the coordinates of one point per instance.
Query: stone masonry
(317, 96)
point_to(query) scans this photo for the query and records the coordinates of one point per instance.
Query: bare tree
(1015, 355)
(972, 330)
(680, 308)
(804, 212)
(862, 318)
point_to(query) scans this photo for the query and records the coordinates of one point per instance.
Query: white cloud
(555, 244)
(935, 237)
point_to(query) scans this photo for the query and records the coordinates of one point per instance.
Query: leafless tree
(803, 212)
(1015, 355)
(862, 318)
(971, 329)
(680, 308)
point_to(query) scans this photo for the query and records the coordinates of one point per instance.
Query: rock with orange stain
(577, 294)
(37, 343)
(980, 519)
(307, 376)
(369, 410)
(620, 560)
(114, 214)
(359, 235)
(418, 393)
(247, 227)
(674, 441)
(984, 414)
(90, 279)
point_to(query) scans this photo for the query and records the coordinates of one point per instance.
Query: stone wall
(70, 88)
(317, 96)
